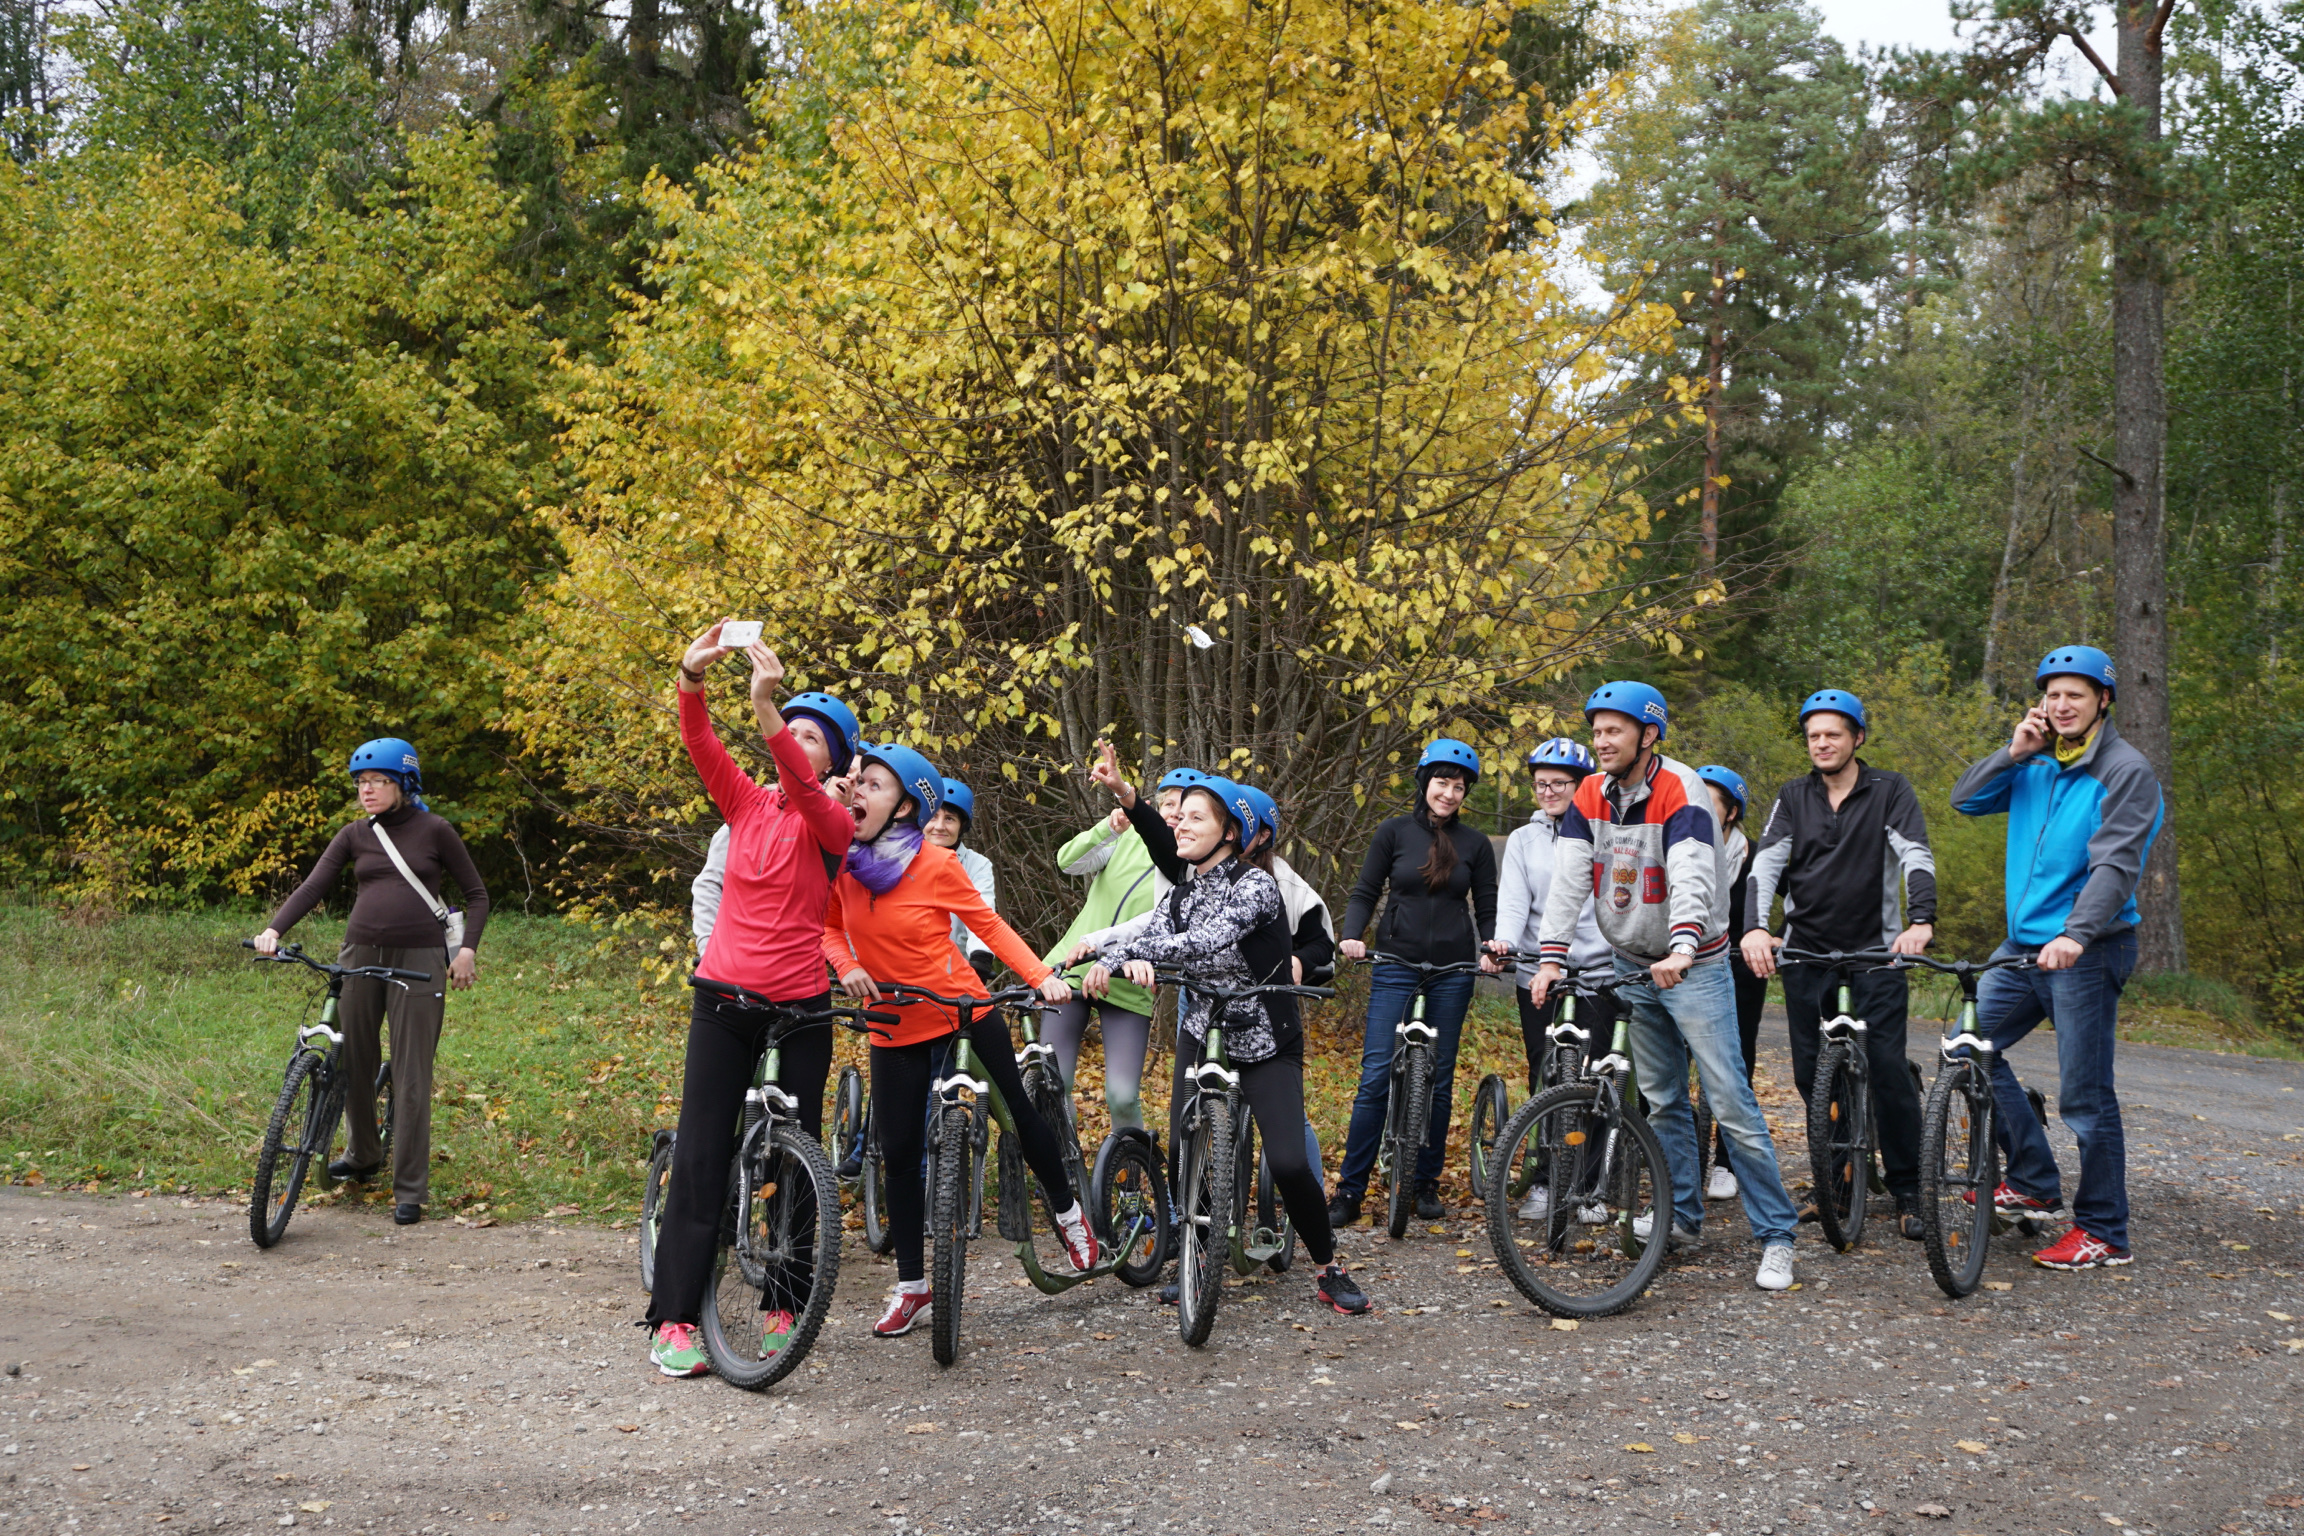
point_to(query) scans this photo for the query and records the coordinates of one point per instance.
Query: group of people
(852, 870)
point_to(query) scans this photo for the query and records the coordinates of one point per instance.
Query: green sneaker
(775, 1332)
(678, 1351)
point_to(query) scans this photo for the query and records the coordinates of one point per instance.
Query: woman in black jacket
(1441, 877)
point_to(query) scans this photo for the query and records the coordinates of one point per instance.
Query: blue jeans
(1697, 1019)
(2083, 1002)
(1392, 989)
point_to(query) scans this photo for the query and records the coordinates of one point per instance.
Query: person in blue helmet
(400, 852)
(1846, 847)
(1226, 924)
(1435, 875)
(765, 933)
(2083, 808)
(1641, 840)
(949, 828)
(1730, 800)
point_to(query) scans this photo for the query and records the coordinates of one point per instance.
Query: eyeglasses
(1554, 787)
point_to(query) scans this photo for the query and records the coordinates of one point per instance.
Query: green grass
(145, 1052)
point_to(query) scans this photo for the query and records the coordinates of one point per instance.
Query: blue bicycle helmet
(1182, 778)
(1836, 701)
(1448, 752)
(1730, 780)
(922, 784)
(1566, 755)
(390, 755)
(1266, 808)
(1236, 805)
(962, 799)
(1638, 700)
(2077, 661)
(839, 721)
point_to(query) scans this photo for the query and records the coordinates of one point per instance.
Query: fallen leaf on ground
(1932, 1512)
(2293, 1346)
(265, 1365)
(313, 1506)
(629, 1428)
(1406, 1423)
(79, 1466)
(924, 1427)
(1104, 1337)
(1642, 1447)
(1972, 1447)
(1715, 1395)
(1999, 1285)
(1685, 1438)
(1515, 1405)
(2285, 1501)
(2279, 1317)
(1564, 1324)
(2110, 1519)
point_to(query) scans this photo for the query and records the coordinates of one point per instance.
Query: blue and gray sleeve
(2126, 823)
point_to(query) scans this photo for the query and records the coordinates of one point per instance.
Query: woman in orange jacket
(890, 922)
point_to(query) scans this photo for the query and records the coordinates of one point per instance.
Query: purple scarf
(879, 864)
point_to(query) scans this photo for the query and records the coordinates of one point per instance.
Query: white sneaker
(1538, 1203)
(1775, 1268)
(1682, 1237)
(1722, 1185)
(1593, 1215)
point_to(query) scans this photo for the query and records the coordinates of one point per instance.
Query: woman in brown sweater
(393, 924)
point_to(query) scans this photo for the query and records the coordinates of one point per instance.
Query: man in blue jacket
(2083, 808)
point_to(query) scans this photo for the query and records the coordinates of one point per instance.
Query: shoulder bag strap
(439, 907)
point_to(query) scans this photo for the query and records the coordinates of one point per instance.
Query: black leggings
(901, 1077)
(724, 1046)
(1274, 1089)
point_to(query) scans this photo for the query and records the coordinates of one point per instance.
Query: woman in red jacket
(784, 845)
(890, 921)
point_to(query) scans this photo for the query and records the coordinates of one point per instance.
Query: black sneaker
(343, 1171)
(1342, 1292)
(1171, 1294)
(1908, 1219)
(1428, 1204)
(1343, 1211)
(851, 1168)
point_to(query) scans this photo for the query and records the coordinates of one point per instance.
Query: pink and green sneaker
(775, 1332)
(678, 1350)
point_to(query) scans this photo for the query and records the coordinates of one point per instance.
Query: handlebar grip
(424, 976)
(878, 1016)
(247, 943)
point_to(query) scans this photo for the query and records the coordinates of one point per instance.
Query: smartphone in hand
(739, 633)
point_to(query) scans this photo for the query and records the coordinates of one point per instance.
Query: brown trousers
(415, 1012)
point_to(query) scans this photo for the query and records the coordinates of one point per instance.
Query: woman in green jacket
(1123, 886)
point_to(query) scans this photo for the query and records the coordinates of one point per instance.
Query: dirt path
(445, 1379)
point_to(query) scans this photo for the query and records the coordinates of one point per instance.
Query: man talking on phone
(2083, 808)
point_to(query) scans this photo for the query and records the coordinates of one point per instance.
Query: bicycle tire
(786, 1202)
(1571, 1110)
(1958, 1152)
(1208, 1180)
(1491, 1107)
(652, 1203)
(296, 1114)
(384, 1117)
(1414, 1086)
(1131, 1186)
(874, 1195)
(1839, 1145)
(1700, 1108)
(948, 1227)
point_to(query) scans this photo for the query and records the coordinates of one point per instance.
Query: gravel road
(446, 1379)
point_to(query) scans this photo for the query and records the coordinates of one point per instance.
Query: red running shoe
(905, 1309)
(1079, 1243)
(2077, 1250)
(2008, 1200)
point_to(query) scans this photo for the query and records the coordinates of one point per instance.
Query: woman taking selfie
(890, 923)
(766, 936)
(399, 852)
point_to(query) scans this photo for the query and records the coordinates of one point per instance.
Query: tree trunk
(644, 40)
(1715, 349)
(2000, 583)
(2139, 491)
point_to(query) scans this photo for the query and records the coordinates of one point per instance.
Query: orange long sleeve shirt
(906, 936)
